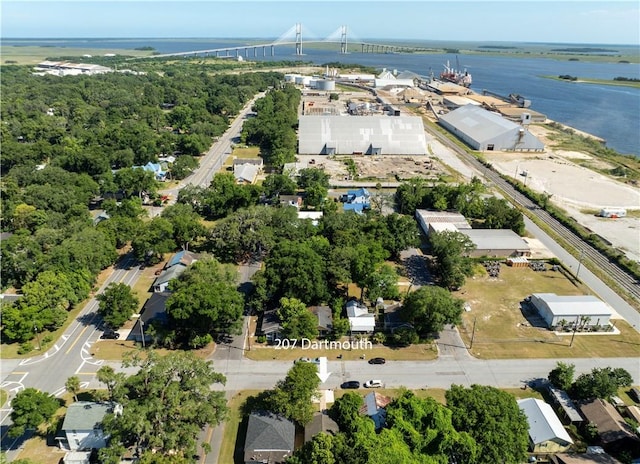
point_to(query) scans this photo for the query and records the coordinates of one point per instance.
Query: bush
(261, 339)
(26, 347)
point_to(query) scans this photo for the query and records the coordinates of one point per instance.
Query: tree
(292, 395)
(154, 238)
(73, 386)
(117, 304)
(452, 263)
(30, 409)
(297, 321)
(493, 419)
(562, 376)
(383, 283)
(168, 401)
(429, 308)
(601, 383)
(278, 184)
(346, 410)
(204, 301)
(114, 382)
(186, 223)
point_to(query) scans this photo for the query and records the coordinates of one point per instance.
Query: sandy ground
(578, 190)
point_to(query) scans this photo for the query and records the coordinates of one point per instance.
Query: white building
(360, 319)
(440, 221)
(584, 310)
(82, 426)
(546, 432)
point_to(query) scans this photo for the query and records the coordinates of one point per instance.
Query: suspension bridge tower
(343, 40)
(298, 39)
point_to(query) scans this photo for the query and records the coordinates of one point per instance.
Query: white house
(546, 432)
(584, 310)
(360, 319)
(82, 426)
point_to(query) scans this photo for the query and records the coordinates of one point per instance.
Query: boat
(456, 76)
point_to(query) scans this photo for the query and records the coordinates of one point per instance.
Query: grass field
(503, 332)
(12, 54)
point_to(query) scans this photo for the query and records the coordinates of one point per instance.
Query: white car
(373, 384)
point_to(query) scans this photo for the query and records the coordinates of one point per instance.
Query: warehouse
(362, 135)
(496, 243)
(486, 131)
(571, 310)
(440, 221)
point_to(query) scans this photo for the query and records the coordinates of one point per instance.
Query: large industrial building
(581, 310)
(487, 131)
(362, 135)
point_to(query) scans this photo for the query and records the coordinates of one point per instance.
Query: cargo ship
(450, 74)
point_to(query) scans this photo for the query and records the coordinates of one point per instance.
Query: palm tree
(73, 386)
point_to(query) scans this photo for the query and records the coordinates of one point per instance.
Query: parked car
(373, 384)
(110, 335)
(377, 361)
(302, 360)
(351, 384)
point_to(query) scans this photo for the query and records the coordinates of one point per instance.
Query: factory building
(569, 310)
(487, 131)
(361, 135)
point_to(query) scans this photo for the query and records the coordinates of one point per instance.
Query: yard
(503, 332)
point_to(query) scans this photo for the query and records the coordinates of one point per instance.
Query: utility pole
(575, 329)
(579, 263)
(473, 332)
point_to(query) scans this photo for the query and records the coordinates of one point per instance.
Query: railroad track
(626, 281)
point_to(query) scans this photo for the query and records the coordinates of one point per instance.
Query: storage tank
(326, 84)
(299, 80)
(290, 77)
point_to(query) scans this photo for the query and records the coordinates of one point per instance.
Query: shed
(496, 243)
(567, 407)
(346, 135)
(270, 438)
(546, 432)
(584, 310)
(487, 131)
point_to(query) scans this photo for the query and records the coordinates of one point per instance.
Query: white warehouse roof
(496, 239)
(485, 130)
(379, 135)
(544, 425)
(573, 305)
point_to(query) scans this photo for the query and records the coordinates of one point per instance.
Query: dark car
(110, 335)
(377, 361)
(351, 384)
(142, 266)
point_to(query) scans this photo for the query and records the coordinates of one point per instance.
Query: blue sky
(574, 21)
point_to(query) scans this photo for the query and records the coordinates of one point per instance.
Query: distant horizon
(315, 40)
(523, 21)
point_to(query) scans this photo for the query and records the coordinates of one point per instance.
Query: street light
(35, 329)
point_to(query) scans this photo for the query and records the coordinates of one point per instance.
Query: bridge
(293, 37)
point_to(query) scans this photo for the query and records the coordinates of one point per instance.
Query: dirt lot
(580, 191)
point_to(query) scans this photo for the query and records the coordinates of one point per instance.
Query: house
(374, 407)
(184, 258)
(77, 457)
(546, 432)
(321, 423)
(313, 216)
(103, 216)
(583, 310)
(358, 196)
(154, 310)
(161, 284)
(325, 319)
(614, 434)
(82, 426)
(270, 438)
(360, 319)
(393, 319)
(258, 162)
(270, 325)
(290, 200)
(245, 173)
(157, 169)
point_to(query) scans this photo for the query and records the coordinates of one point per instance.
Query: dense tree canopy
(452, 264)
(429, 308)
(494, 420)
(601, 383)
(292, 396)
(165, 406)
(296, 320)
(30, 409)
(562, 375)
(117, 304)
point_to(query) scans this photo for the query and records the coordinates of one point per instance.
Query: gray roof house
(82, 426)
(486, 131)
(325, 319)
(270, 325)
(270, 438)
(154, 309)
(161, 284)
(546, 432)
(321, 423)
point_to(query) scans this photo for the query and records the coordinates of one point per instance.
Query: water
(612, 113)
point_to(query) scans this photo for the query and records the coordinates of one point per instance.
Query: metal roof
(573, 305)
(85, 415)
(495, 239)
(389, 135)
(544, 425)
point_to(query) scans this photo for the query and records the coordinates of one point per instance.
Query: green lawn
(34, 54)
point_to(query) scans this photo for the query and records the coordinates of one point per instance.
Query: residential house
(183, 258)
(270, 325)
(546, 432)
(374, 407)
(154, 310)
(583, 458)
(159, 172)
(360, 319)
(290, 200)
(270, 438)
(325, 319)
(245, 173)
(103, 216)
(161, 284)
(357, 200)
(258, 162)
(614, 434)
(313, 216)
(321, 423)
(392, 319)
(82, 426)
